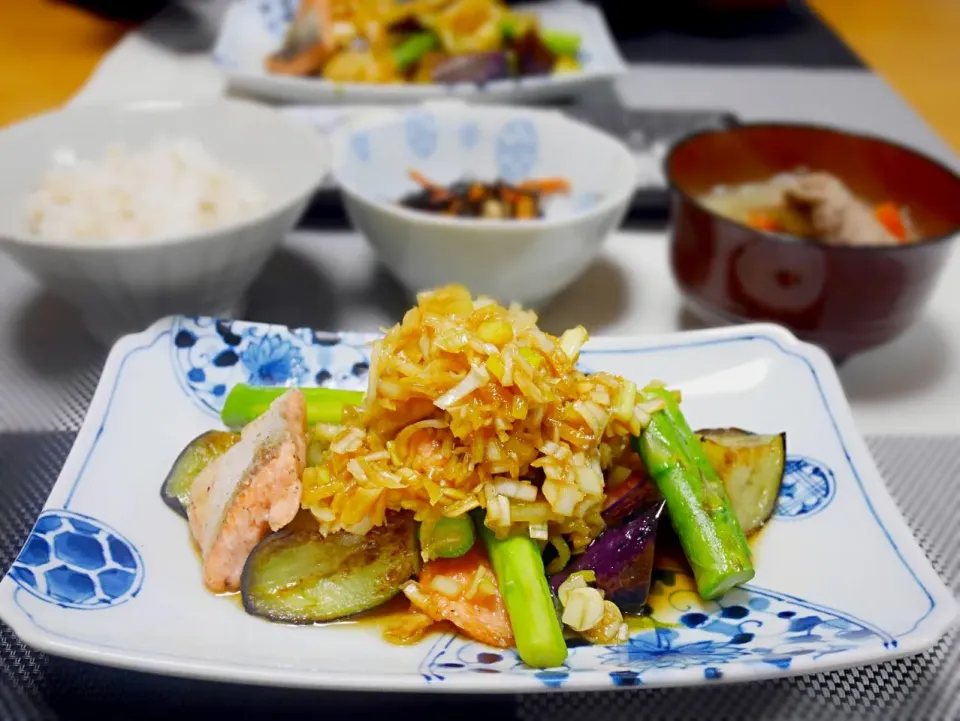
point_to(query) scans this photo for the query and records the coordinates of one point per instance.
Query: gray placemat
(921, 473)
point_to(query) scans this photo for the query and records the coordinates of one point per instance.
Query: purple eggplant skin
(622, 556)
(629, 498)
(477, 68)
(533, 57)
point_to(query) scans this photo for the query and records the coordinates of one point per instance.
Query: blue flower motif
(658, 649)
(214, 355)
(748, 626)
(75, 561)
(422, 134)
(518, 149)
(808, 487)
(273, 360)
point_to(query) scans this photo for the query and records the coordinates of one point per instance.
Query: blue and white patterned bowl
(524, 261)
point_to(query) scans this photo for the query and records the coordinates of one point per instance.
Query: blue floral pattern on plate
(210, 356)
(76, 561)
(273, 361)
(747, 626)
(808, 487)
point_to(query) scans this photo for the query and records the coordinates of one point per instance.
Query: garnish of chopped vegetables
(470, 405)
(587, 612)
(497, 200)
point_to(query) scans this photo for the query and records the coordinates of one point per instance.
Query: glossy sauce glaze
(670, 569)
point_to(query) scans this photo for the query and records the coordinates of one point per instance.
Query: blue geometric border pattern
(75, 561)
(808, 487)
(211, 355)
(747, 626)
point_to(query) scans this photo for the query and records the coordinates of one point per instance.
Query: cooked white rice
(169, 188)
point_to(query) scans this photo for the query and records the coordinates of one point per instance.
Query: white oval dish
(253, 29)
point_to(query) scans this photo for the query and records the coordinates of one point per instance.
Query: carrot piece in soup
(890, 217)
(763, 221)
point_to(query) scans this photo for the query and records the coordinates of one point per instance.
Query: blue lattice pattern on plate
(808, 487)
(210, 356)
(746, 626)
(76, 561)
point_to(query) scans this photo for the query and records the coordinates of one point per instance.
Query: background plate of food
(391, 51)
(470, 504)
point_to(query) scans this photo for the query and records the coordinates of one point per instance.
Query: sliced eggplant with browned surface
(201, 451)
(751, 467)
(299, 576)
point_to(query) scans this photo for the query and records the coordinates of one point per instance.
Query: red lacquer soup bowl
(844, 299)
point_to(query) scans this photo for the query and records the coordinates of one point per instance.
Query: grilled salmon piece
(250, 490)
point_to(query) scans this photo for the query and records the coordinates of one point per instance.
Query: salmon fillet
(251, 489)
(483, 617)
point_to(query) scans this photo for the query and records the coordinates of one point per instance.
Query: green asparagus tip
(559, 42)
(324, 405)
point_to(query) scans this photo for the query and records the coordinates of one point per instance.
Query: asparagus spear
(698, 504)
(413, 48)
(557, 42)
(324, 405)
(560, 43)
(446, 537)
(523, 585)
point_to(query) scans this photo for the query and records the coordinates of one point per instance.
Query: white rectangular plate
(108, 574)
(252, 29)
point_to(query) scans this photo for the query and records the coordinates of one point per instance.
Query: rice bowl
(169, 260)
(167, 188)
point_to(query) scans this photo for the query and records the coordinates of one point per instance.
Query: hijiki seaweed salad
(482, 477)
